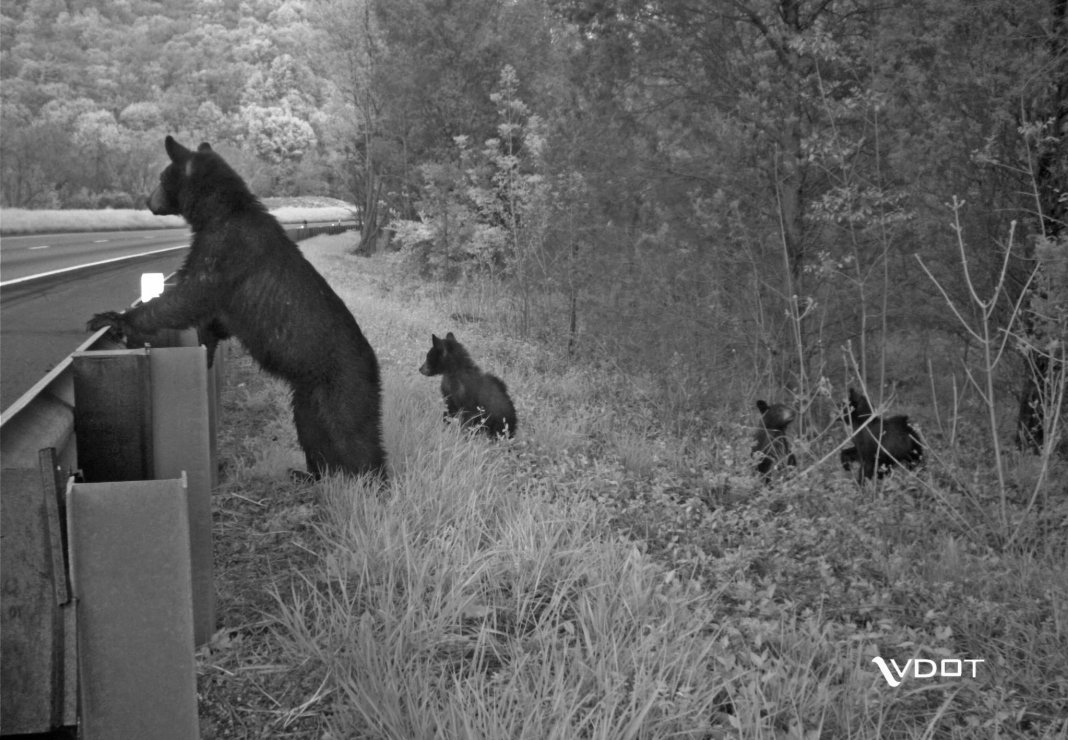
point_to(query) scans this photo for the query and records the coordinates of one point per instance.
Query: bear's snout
(159, 204)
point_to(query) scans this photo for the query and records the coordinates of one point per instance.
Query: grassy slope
(25, 221)
(595, 578)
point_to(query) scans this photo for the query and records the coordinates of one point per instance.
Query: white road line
(43, 246)
(16, 281)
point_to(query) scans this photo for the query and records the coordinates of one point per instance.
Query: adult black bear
(770, 444)
(477, 398)
(244, 277)
(210, 333)
(881, 444)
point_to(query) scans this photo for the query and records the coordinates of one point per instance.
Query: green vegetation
(645, 215)
(603, 576)
(25, 221)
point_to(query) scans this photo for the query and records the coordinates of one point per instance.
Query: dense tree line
(700, 187)
(89, 89)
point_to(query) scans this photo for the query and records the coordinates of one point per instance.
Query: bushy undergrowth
(605, 576)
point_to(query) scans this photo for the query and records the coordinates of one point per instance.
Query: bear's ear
(762, 406)
(204, 147)
(450, 337)
(175, 151)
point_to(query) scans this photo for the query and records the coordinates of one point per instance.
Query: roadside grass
(21, 221)
(18, 221)
(598, 577)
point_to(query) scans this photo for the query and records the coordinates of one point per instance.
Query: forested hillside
(716, 191)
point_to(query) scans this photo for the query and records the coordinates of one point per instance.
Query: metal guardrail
(296, 233)
(43, 416)
(38, 451)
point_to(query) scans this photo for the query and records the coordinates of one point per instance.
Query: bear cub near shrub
(476, 398)
(770, 444)
(244, 277)
(880, 445)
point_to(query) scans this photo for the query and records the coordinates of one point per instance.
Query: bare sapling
(992, 341)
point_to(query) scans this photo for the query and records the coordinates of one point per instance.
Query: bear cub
(770, 444)
(244, 277)
(882, 444)
(476, 398)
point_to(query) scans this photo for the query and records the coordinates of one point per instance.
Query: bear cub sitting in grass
(771, 447)
(244, 277)
(478, 399)
(885, 442)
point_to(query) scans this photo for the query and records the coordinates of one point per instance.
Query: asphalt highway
(21, 256)
(42, 320)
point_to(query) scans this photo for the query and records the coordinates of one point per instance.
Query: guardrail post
(184, 441)
(137, 414)
(131, 578)
(216, 379)
(113, 415)
(166, 432)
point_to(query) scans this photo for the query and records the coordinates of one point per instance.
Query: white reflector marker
(151, 286)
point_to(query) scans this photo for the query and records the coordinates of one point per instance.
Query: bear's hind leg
(312, 433)
(350, 427)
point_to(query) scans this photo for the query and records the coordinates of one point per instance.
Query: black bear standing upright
(881, 444)
(770, 443)
(244, 277)
(477, 398)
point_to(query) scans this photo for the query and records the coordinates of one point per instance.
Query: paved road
(42, 321)
(21, 256)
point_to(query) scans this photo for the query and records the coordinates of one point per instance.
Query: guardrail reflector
(151, 286)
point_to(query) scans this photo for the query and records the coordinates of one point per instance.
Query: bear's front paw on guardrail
(112, 320)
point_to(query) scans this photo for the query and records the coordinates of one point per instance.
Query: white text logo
(924, 668)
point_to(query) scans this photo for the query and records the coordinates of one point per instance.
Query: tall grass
(28, 221)
(474, 598)
(602, 577)
(460, 604)
(16, 221)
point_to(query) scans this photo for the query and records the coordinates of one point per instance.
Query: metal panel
(36, 687)
(216, 380)
(113, 415)
(182, 442)
(47, 423)
(131, 579)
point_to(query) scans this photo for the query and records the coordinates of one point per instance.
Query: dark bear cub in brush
(770, 444)
(476, 398)
(848, 458)
(243, 277)
(880, 445)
